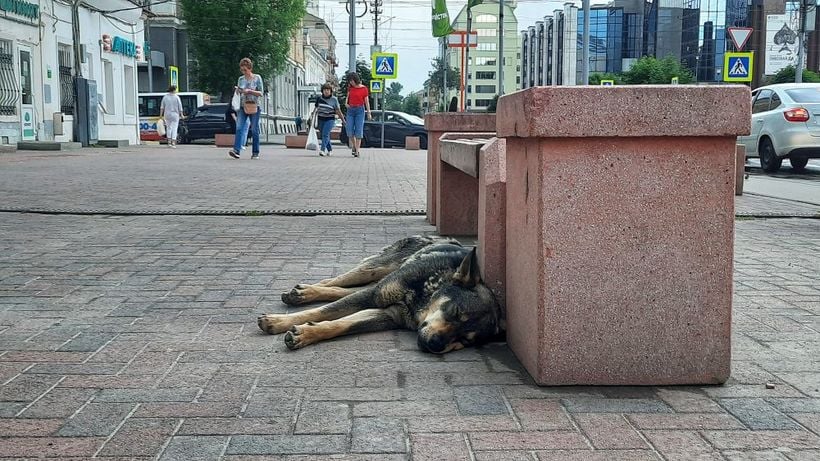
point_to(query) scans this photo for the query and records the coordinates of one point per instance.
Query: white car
(785, 124)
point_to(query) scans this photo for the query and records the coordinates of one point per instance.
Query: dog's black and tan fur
(426, 284)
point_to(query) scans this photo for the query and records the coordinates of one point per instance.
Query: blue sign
(385, 65)
(737, 66)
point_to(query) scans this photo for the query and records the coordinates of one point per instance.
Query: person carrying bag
(312, 143)
(250, 88)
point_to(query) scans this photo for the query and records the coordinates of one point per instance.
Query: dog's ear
(467, 274)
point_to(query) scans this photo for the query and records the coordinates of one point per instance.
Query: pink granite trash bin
(438, 124)
(620, 216)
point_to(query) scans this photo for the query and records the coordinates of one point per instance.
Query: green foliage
(493, 105)
(363, 69)
(222, 32)
(435, 82)
(786, 75)
(392, 96)
(412, 105)
(595, 78)
(650, 70)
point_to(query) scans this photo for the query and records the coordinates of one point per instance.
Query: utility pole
(467, 60)
(351, 46)
(446, 65)
(801, 51)
(376, 7)
(585, 41)
(147, 49)
(500, 48)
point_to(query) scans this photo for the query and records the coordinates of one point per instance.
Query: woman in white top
(171, 110)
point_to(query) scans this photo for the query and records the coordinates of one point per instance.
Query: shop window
(130, 91)
(64, 66)
(9, 91)
(108, 70)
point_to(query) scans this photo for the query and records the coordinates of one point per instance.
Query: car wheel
(799, 164)
(422, 141)
(183, 138)
(769, 160)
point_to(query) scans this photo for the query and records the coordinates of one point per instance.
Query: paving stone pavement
(134, 337)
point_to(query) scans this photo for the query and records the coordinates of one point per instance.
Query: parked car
(785, 124)
(397, 126)
(206, 122)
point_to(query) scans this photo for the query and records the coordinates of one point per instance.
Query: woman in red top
(357, 103)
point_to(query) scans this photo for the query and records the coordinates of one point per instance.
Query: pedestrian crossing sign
(385, 65)
(376, 86)
(738, 66)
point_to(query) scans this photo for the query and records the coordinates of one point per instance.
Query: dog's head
(461, 313)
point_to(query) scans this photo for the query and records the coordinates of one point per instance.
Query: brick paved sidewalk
(135, 338)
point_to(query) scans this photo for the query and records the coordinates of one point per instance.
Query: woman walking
(357, 103)
(170, 109)
(250, 88)
(327, 108)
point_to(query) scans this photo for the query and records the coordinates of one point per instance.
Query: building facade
(481, 85)
(695, 32)
(167, 42)
(37, 70)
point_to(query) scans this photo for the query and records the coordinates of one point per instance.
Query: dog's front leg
(364, 321)
(280, 323)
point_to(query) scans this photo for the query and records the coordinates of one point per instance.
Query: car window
(761, 103)
(775, 103)
(805, 95)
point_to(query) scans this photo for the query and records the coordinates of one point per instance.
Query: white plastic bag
(161, 127)
(235, 101)
(312, 140)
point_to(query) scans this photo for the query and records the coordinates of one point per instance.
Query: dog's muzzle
(435, 344)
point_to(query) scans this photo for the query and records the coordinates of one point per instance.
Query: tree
(412, 105)
(435, 82)
(221, 32)
(392, 96)
(786, 75)
(650, 70)
(363, 69)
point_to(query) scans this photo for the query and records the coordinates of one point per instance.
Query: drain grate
(275, 212)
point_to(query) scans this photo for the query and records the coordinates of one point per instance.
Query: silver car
(785, 124)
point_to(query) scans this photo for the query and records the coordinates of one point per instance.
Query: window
(762, 101)
(804, 95)
(469, 88)
(485, 75)
(129, 89)
(485, 61)
(775, 102)
(486, 47)
(482, 102)
(518, 79)
(485, 18)
(486, 32)
(485, 89)
(26, 76)
(8, 88)
(109, 87)
(64, 66)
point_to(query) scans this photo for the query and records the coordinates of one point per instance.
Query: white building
(37, 69)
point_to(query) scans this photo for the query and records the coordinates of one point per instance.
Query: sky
(405, 28)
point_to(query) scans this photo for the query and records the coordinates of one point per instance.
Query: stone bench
(295, 141)
(457, 184)
(436, 125)
(622, 204)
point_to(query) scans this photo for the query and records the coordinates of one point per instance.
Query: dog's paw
(296, 296)
(294, 338)
(274, 324)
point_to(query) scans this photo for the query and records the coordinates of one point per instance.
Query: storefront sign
(20, 8)
(119, 45)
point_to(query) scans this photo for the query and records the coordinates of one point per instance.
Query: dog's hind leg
(361, 322)
(355, 302)
(306, 294)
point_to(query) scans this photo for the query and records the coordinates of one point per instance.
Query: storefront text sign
(119, 45)
(20, 8)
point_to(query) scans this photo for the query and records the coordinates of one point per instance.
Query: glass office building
(692, 31)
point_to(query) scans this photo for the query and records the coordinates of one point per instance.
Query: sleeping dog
(427, 284)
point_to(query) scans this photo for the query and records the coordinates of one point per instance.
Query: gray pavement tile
(378, 435)
(184, 448)
(756, 414)
(287, 444)
(480, 400)
(605, 405)
(96, 419)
